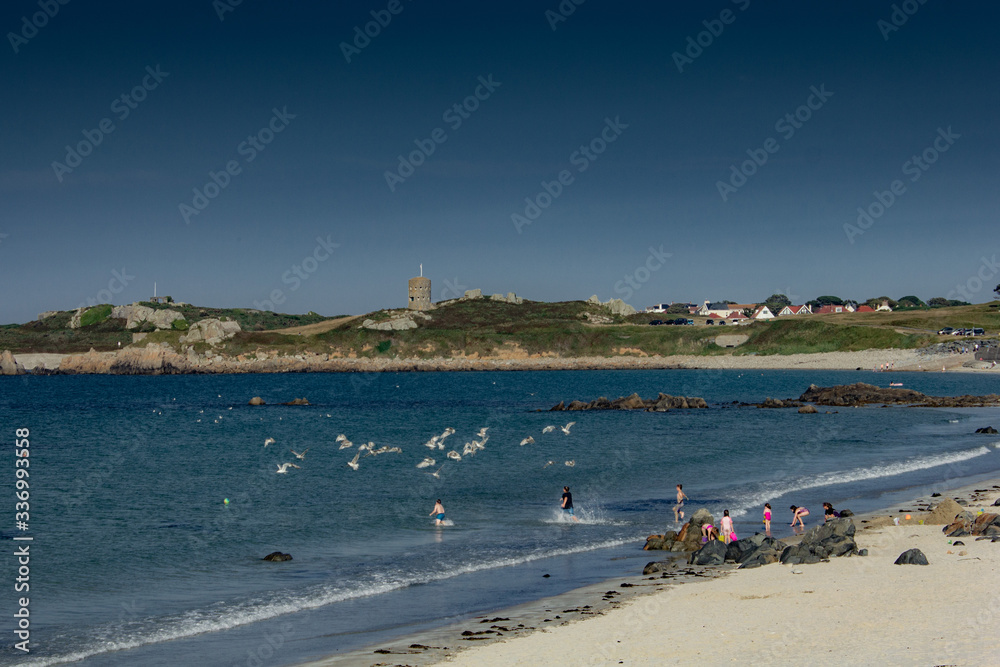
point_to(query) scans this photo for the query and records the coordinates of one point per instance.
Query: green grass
(92, 316)
(791, 336)
(249, 319)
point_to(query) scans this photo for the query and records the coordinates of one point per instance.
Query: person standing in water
(727, 527)
(567, 503)
(679, 507)
(767, 519)
(439, 511)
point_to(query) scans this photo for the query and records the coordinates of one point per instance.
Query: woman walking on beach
(767, 519)
(727, 526)
(797, 514)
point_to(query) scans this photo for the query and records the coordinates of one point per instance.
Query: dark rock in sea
(987, 429)
(712, 552)
(662, 403)
(808, 410)
(935, 495)
(277, 557)
(657, 542)
(775, 403)
(256, 400)
(861, 393)
(546, 576)
(912, 557)
(297, 401)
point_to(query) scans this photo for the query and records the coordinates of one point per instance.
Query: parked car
(656, 323)
(710, 322)
(960, 332)
(721, 322)
(946, 331)
(977, 331)
(688, 321)
(681, 320)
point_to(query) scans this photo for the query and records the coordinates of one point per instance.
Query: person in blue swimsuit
(439, 511)
(567, 503)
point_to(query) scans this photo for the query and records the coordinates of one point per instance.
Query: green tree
(776, 302)
(877, 301)
(938, 302)
(911, 301)
(996, 290)
(678, 308)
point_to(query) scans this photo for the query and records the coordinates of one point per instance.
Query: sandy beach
(850, 610)
(156, 359)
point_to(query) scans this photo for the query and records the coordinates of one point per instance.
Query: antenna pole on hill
(421, 270)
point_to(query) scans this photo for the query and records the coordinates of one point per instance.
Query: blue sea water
(137, 560)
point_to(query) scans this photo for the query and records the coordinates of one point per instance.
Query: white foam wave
(201, 621)
(760, 496)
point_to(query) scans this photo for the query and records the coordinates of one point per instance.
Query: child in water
(767, 519)
(797, 514)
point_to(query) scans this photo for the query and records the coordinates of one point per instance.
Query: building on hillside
(420, 293)
(794, 310)
(831, 308)
(762, 313)
(884, 307)
(864, 308)
(723, 309)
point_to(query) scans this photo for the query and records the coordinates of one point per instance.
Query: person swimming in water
(439, 511)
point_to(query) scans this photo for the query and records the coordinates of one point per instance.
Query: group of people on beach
(725, 531)
(566, 504)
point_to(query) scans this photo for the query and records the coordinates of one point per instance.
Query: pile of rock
(9, 365)
(966, 523)
(616, 306)
(397, 322)
(211, 331)
(833, 538)
(776, 403)
(688, 539)
(661, 403)
(135, 315)
(861, 393)
(510, 298)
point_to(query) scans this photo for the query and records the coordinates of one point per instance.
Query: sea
(153, 500)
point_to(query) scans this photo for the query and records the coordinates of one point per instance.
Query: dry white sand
(854, 610)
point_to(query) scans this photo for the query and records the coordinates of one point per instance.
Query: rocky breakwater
(747, 552)
(866, 394)
(984, 526)
(662, 403)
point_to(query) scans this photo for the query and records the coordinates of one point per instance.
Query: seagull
(197, 420)
(344, 442)
(437, 473)
(571, 463)
(302, 456)
(440, 439)
(565, 429)
(269, 441)
(482, 431)
(353, 463)
(230, 407)
(426, 463)
(454, 455)
(469, 449)
(433, 442)
(327, 414)
(370, 447)
(528, 441)
(548, 429)
(283, 468)
(547, 464)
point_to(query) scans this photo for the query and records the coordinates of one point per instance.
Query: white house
(795, 310)
(762, 313)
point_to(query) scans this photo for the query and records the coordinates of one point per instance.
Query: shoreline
(520, 634)
(163, 360)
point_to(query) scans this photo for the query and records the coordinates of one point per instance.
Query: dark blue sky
(650, 186)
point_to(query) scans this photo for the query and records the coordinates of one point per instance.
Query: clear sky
(714, 150)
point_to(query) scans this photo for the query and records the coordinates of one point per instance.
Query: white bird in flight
(528, 441)
(548, 429)
(437, 473)
(565, 429)
(353, 463)
(283, 468)
(547, 464)
(302, 456)
(482, 431)
(426, 463)
(268, 441)
(571, 463)
(344, 442)
(455, 456)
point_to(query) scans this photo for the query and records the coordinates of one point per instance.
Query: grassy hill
(482, 327)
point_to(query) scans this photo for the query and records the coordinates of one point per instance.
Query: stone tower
(420, 294)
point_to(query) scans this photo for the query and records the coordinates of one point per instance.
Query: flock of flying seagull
(435, 443)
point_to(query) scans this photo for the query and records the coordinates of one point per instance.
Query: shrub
(180, 325)
(383, 346)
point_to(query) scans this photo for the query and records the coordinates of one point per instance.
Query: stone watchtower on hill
(420, 292)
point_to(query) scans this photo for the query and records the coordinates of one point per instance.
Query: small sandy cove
(851, 610)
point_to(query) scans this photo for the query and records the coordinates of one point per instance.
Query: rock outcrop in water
(661, 403)
(277, 557)
(9, 365)
(866, 394)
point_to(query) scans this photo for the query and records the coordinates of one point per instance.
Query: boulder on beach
(912, 557)
(659, 566)
(712, 552)
(833, 538)
(755, 551)
(657, 542)
(256, 400)
(277, 557)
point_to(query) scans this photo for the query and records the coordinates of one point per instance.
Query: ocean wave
(758, 497)
(201, 621)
